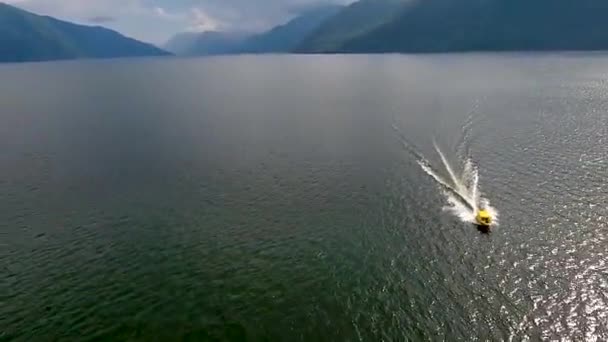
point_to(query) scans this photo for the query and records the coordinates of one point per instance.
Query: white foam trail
(470, 176)
(462, 193)
(462, 147)
(447, 166)
(427, 168)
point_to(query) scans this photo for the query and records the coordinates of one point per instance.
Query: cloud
(101, 19)
(157, 20)
(303, 7)
(79, 9)
(201, 21)
(164, 14)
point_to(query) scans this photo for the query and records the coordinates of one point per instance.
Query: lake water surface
(269, 198)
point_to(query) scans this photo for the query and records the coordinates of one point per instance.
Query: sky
(155, 21)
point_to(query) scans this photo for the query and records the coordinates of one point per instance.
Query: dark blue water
(268, 198)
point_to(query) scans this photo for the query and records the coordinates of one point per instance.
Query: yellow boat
(483, 218)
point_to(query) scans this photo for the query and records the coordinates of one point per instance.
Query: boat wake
(461, 190)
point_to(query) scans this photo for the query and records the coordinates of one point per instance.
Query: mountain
(181, 43)
(205, 43)
(490, 25)
(282, 38)
(285, 38)
(25, 36)
(357, 19)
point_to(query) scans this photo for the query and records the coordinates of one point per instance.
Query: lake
(269, 198)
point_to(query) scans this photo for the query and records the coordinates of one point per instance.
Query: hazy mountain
(181, 42)
(498, 25)
(357, 19)
(282, 38)
(205, 43)
(285, 38)
(26, 36)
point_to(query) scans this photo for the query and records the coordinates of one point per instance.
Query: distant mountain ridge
(489, 25)
(205, 43)
(285, 38)
(365, 26)
(357, 19)
(280, 39)
(25, 36)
